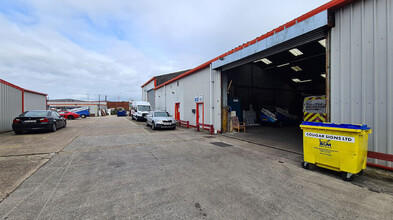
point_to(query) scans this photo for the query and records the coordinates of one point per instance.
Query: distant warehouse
(14, 100)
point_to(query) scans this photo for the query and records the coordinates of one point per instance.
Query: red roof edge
(329, 5)
(39, 93)
(148, 82)
(202, 66)
(20, 88)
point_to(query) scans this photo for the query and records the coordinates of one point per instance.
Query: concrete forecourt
(112, 167)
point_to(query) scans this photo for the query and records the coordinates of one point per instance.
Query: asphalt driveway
(116, 168)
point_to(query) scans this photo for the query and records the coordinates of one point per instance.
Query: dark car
(38, 120)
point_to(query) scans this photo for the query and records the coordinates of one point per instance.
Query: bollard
(188, 124)
(211, 129)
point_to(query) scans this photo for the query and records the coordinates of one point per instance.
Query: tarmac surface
(111, 167)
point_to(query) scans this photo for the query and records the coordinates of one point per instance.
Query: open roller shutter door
(303, 39)
(151, 98)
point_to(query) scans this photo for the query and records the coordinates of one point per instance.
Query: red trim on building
(23, 92)
(202, 66)
(20, 88)
(380, 156)
(380, 166)
(149, 82)
(39, 93)
(197, 113)
(10, 84)
(328, 6)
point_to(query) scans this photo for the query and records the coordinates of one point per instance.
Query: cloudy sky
(82, 48)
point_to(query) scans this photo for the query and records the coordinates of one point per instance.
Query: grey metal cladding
(362, 69)
(10, 106)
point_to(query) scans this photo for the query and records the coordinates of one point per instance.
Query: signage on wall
(199, 98)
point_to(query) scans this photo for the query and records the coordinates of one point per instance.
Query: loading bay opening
(276, 83)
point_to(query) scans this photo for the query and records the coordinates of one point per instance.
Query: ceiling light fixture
(265, 60)
(296, 68)
(296, 52)
(322, 42)
(285, 64)
(296, 80)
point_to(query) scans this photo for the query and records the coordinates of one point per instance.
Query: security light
(296, 68)
(322, 42)
(296, 80)
(285, 64)
(323, 75)
(296, 52)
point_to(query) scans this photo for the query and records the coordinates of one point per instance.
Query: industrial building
(94, 106)
(342, 50)
(148, 93)
(15, 100)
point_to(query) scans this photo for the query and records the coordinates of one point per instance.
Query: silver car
(160, 119)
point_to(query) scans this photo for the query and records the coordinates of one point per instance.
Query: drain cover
(221, 144)
(211, 136)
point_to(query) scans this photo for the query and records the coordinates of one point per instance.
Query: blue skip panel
(122, 113)
(332, 125)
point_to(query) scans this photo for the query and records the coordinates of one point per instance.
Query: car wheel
(65, 123)
(71, 117)
(54, 128)
(18, 131)
(174, 128)
(83, 116)
(153, 127)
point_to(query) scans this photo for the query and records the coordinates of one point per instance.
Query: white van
(139, 109)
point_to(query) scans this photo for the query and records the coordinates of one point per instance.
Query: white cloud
(71, 48)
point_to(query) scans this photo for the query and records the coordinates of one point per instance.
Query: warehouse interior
(280, 80)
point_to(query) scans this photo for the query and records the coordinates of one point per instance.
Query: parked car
(38, 120)
(82, 111)
(160, 119)
(69, 115)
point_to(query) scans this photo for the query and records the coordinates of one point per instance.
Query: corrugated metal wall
(361, 69)
(185, 90)
(34, 101)
(146, 88)
(151, 98)
(10, 106)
